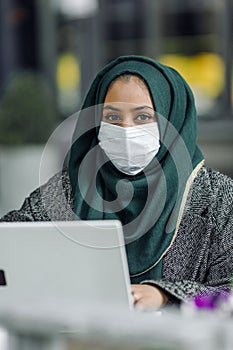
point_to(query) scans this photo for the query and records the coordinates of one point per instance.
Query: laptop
(74, 261)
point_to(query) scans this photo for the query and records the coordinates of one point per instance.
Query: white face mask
(130, 149)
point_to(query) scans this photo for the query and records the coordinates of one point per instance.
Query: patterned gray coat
(200, 259)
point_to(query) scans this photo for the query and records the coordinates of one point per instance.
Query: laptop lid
(80, 261)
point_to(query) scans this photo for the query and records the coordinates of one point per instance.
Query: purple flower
(210, 301)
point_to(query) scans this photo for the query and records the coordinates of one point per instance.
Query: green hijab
(149, 204)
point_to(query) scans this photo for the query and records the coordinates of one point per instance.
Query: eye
(112, 117)
(144, 117)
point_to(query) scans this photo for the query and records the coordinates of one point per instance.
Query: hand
(147, 296)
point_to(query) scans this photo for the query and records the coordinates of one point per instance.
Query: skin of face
(128, 103)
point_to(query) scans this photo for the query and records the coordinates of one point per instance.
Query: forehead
(132, 90)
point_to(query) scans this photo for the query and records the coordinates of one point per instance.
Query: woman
(134, 158)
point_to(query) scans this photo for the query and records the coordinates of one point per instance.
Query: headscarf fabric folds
(148, 204)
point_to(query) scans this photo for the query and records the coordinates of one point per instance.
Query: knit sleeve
(218, 273)
(183, 291)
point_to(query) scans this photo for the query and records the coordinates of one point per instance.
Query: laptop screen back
(83, 261)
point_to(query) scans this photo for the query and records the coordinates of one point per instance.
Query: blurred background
(50, 51)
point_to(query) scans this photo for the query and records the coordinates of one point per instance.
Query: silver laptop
(77, 261)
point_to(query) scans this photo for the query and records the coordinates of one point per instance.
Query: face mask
(130, 149)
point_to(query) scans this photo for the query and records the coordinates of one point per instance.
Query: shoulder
(57, 184)
(211, 189)
(51, 201)
(213, 178)
(218, 185)
(54, 197)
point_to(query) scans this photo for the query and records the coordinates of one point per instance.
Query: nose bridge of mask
(126, 135)
(142, 130)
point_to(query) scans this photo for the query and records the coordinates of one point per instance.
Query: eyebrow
(135, 109)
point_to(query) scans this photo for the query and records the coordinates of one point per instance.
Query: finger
(134, 297)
